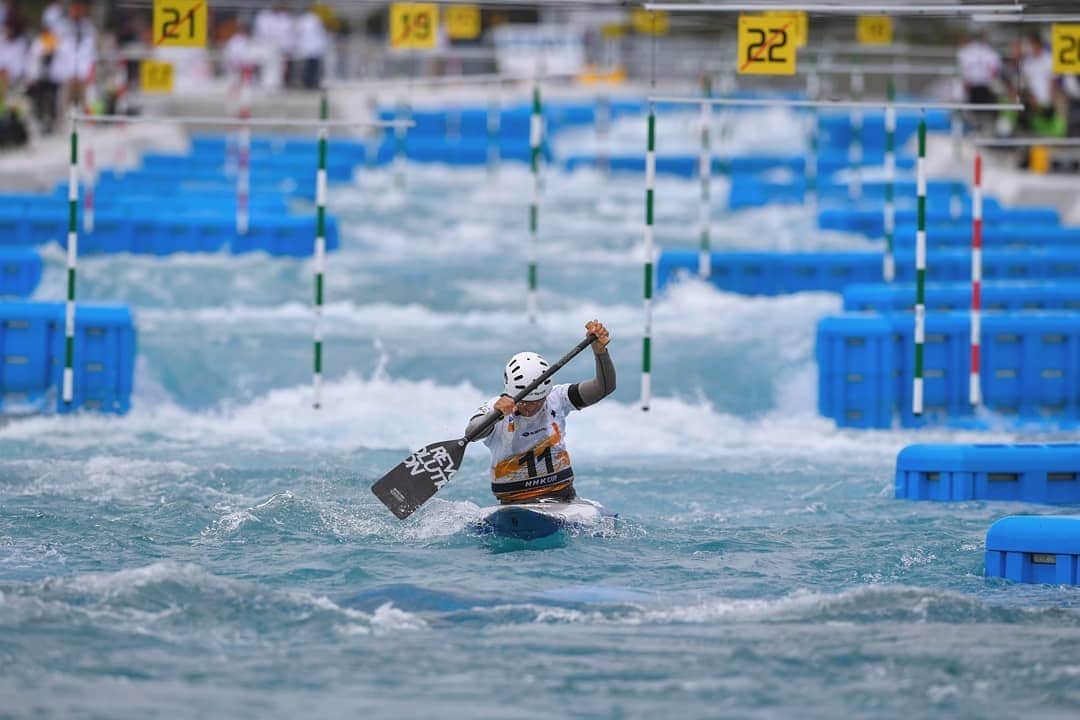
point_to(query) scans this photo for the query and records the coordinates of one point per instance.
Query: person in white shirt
(312, 41)
(980, 67)
(1037, 82)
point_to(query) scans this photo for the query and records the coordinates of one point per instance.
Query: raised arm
(590, 392)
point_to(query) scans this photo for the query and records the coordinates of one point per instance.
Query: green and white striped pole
(536, 134)
(920, 271)
(650, 182)
(320, 248)
(855, 155)
(888, 269)
(68, 390)
(705, 171)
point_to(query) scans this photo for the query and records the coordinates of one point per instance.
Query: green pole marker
(920, 271)
(705, 171)
(320, 248)
(68, 390)
(888, 268)
(536, 134)
(855, 154)
(650, 182)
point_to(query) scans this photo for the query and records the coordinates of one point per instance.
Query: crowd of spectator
(1051, 101)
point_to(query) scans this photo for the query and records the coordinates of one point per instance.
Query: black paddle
(413, 482)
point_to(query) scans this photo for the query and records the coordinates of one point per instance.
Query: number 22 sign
(1065, 45)
(766, 45)
(180, 23)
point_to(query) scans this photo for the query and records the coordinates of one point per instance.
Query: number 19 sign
(180, 23)
(414, 26)
(766, 45)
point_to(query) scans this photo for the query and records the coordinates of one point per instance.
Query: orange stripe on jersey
(511, 464)
(532, 494)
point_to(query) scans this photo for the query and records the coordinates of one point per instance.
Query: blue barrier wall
(1034, 549)
(996, 296)
(779, 273)
(32, 358)
(870, 220)
(1030, 367)
(20, 272)
(1013, 234)
(1018, 473)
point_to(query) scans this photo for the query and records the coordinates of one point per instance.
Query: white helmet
(522, 369)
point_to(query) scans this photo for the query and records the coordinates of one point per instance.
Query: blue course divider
(1012, 235)
(944, 297)
(20, 272)
(763, 273)
(837, 130)
(1034, 548)
(32, 358)
(1030, 367)
(870, 220)
(1019, 473)
(459, 151)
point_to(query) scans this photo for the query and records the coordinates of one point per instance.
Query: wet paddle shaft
(415, 481)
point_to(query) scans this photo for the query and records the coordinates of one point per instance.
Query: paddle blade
(413, 482)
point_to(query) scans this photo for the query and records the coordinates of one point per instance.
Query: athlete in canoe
(528, 453)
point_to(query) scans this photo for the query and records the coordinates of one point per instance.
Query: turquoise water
(217, 552)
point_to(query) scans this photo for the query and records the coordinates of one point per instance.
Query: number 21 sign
(180, 23)
(766, 45)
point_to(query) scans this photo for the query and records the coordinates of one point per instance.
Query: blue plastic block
(945, 297)
(862, 398)
(1034, 549)
(32, 348)
(20, 272)
(1021, 472)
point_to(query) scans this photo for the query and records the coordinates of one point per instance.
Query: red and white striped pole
(975, 392)
(243, 154)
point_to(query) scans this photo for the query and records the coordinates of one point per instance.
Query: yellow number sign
(180, 23)
(463, 22)
(649, 22)
(1065, 45)
(414, 26)
(800, 20)
(156, 77)
(766, 45)
(873, 30)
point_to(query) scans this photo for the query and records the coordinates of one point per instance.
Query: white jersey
(979, 63)
(528, 454)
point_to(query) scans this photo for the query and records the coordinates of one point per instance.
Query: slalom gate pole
(320, 249)
(650, 183)
(243, 154)
(956, 201)
(855, 155)
(888, 269)
(920, 272)
(705, 171)
(975, 389)
(68, 390)
(536, 135)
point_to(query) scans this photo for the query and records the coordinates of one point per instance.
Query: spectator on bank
(980, 68)
(42, 71)
(274, 37)
(1037, 86)
(312, 42)
(14, 50)
(240, 51)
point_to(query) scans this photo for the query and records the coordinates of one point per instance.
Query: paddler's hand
(505, 405)
(595, 327)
